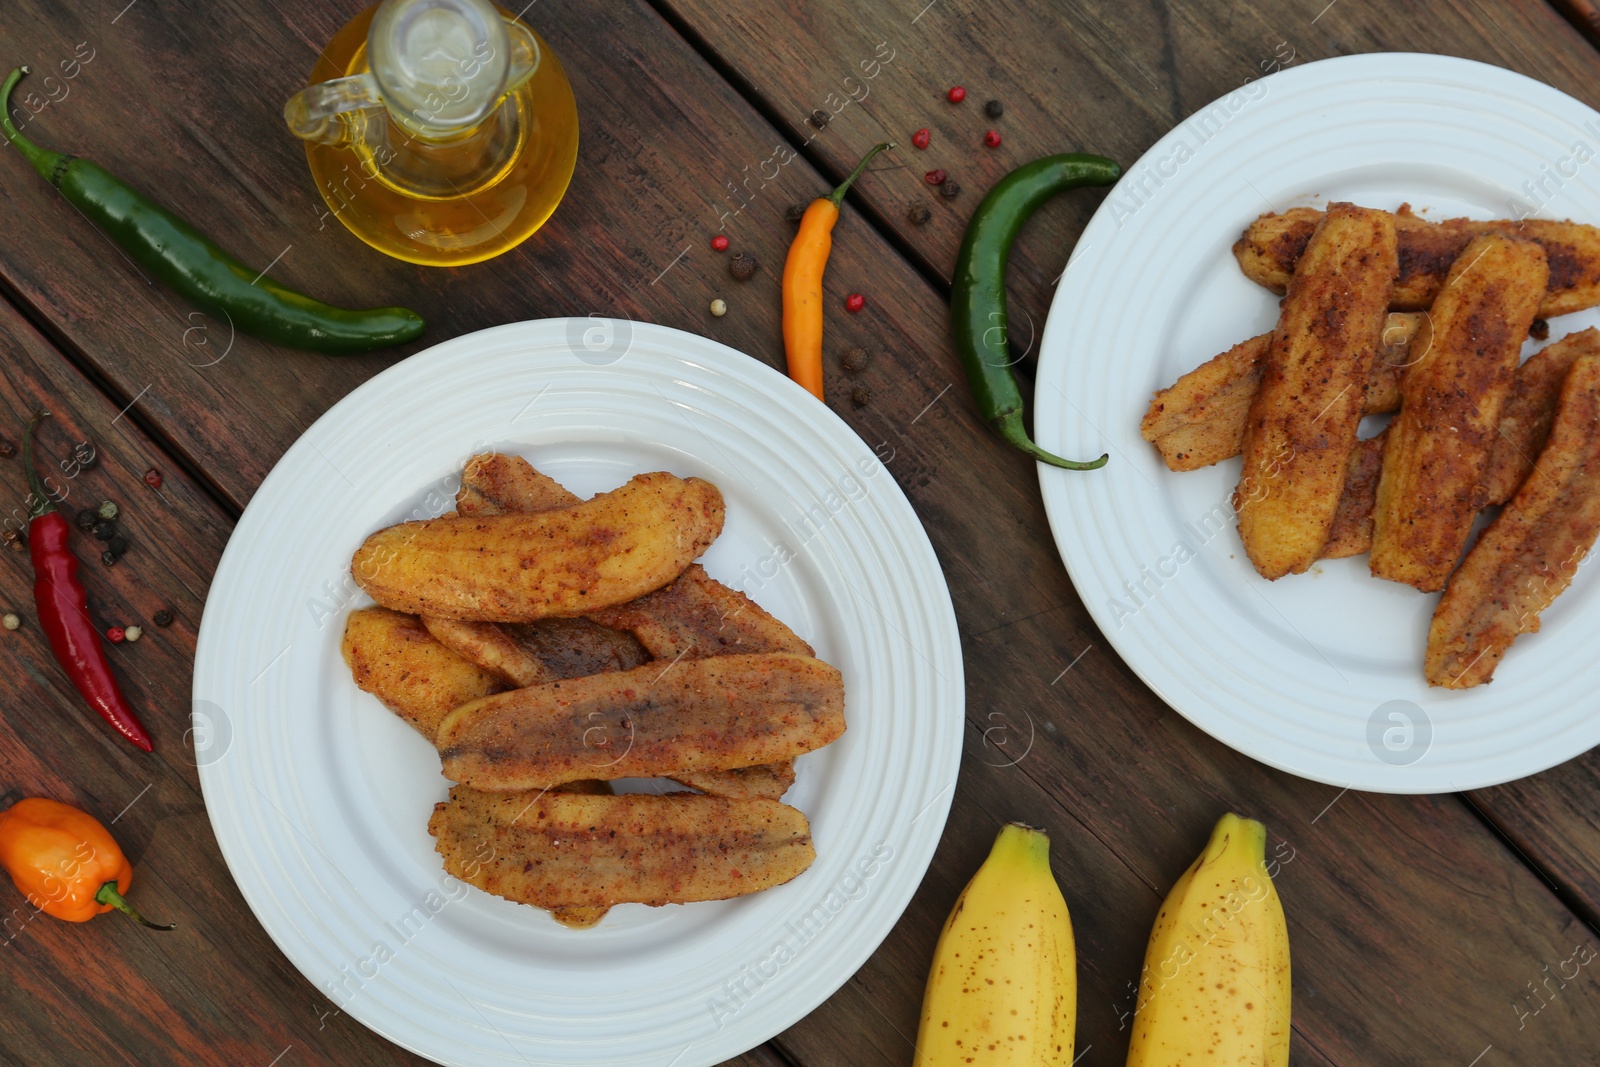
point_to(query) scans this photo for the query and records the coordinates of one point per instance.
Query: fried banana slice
(698, 616)
(561, 562)
(1438, 448)
(1528, 556)
(698, 714)
(1302, 423)
(1529, 411)
(1199, 419)
(392, 657)
(768, 781)
(1351, 534)
(560, 851)
(1269, 249)
(493, 483)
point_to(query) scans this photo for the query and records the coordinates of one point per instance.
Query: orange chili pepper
(65, 862)
(802, 282)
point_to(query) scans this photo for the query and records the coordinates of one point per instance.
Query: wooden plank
(1129, 790)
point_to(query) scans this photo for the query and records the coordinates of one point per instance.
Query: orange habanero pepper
(65, 862)
(802, 282)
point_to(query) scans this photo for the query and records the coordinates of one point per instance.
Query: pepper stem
(38, 500)
(108, 894)
(46, 163)
(1011, 428)
(838, 194)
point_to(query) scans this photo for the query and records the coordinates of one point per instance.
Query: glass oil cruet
(441, 132)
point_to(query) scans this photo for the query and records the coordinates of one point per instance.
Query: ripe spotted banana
(1215, 986)
(1004, 983)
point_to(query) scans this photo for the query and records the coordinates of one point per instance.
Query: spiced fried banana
(1271, 246)
(562, 562)
(564, 851)
(393, 657)
(1530, 410)
(1302, 422)
(660, 719)
(1438, 448)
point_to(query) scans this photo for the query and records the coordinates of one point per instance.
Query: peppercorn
(7, 449)
(719, 243)
(934, 177)
(819, 118)
(855, 361)
(109, 558)
(152, 478)
(994, 109)
(104, 530)
(133, 633)
(956, 94)
(854, 302)
(117, 546)
(83, 454)
(115, 634)
(107, 510)
(162, 618)
(795, 213)
(918, 213)
(14, 540)
(992, 139)
(719, 307)
(11, 620)
(742, 266)
(860, 396)
(1540, 330)
(921, 138)
(85, 519)
(950, 190)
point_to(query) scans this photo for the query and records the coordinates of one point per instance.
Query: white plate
(320, 798)
(1319, 674)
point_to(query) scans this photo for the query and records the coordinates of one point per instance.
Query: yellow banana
(1215, 986)
(1004, 983)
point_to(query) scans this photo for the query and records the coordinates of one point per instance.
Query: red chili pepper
(64, 608)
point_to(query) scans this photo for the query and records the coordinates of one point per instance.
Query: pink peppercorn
(992, 139)
(921, 138)
(116, 634)
(854, 302)
(956, 94)
(719, 243)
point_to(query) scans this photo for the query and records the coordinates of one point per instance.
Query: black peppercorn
(162, 618)
(950, 190)
(117, 546)
(1540, 330)
(109, 558)
(84, 454)
(85, 519)
(994, 109)
(104, 529)
(15, 541)
(918, 213)
(819, 118)
(742, 266)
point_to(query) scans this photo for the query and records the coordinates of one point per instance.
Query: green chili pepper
(190, 264)
(978, 296)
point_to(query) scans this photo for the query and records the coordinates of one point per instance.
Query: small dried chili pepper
(65, 862)
(802, 282)
(64, 607)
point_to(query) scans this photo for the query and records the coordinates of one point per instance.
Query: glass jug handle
(321, 112)
(525, 55)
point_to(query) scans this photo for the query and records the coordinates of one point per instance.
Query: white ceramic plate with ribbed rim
(320, 798)
(1318, 674)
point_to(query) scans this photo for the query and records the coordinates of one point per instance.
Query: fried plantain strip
(1438, 448)
(1351, 533)
(1199, 419)
(518, 568)
(562, 851)
(1271, 246)
(697, 714)
(1303, 419)
(392, 657)
(1530, 410)
(1528, 556)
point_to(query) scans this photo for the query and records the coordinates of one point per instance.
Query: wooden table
(1425, 929)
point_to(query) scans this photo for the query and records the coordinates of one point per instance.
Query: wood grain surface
(1418, 923)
